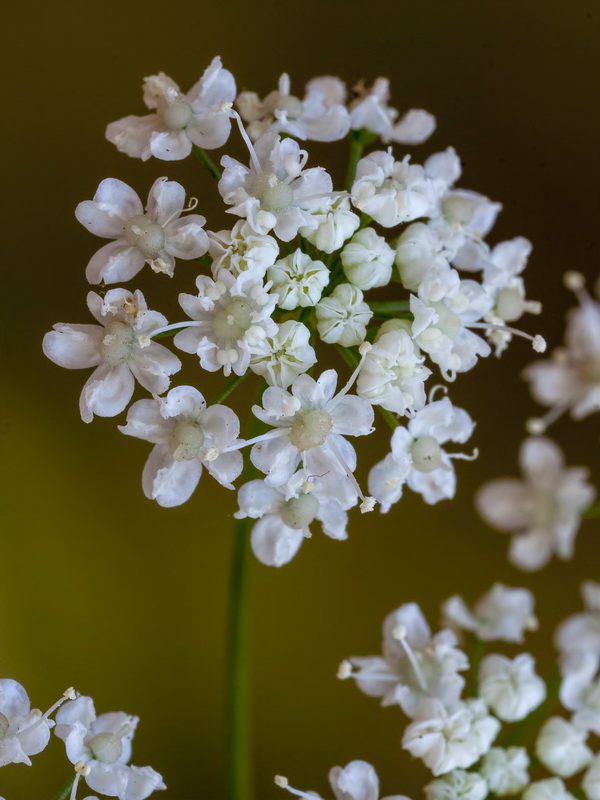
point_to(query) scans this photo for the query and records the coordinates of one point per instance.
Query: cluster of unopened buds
(290, 277)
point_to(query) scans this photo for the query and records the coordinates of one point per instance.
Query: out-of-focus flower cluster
(289, 278)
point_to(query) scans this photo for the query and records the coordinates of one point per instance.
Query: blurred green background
(103, 589)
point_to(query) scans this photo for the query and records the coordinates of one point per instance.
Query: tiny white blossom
(561, 747)
(367, 260)
(544, 509)
(157, 236)
(284, 355)
(24, 731)
(505, 770)
(591, 780)
(445, 739)
(549, 789)
(356, 781)
(180, 120)
(457, 785)
(335, 224)
(343, 316)
(418, 251)
(580, 689)
(510, 687)
(242, 249)
(187, 435)
(298, 280)
(580, 633)
(120, 348)
(502, 614)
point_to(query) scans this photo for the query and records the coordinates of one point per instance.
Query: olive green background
(103, 589)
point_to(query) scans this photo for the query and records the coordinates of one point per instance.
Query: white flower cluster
(545, 508)
(460, 738)
(290, 276)
(98, 747)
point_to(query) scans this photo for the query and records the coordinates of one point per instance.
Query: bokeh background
(127, 601)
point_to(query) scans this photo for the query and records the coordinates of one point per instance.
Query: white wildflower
(505, 770)
(591, 780)
(510, 687)
(502, 614)
(370, 111)
(298, 280)
(241, 249)
(561, 747)
(343, 316)
(457, 785)
(367, 260)
(335, 224)
(284, 355)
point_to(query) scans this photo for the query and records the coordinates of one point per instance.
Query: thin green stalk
(66, 789)
(229, 387)
(477, 651)
(205, 159)
(390, 307)
(356, 150)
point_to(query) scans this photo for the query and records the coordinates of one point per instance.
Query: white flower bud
(561, 747)
(417, 251)
(505, 770)
(510, 687)
(343, 316)
(550, 789)
(241, 249)
(457, 785)
(284, 356)
(591, 780)
(336, 224)
(298, 280)
(367, 260)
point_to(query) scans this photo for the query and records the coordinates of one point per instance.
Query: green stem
(231, 384)
(66, 789)
(205, 159)
(356, 150)
(591, 512)
(390, 307)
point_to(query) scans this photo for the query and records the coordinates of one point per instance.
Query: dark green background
(105, 590)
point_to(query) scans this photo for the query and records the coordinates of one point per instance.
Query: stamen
(538, 342)
(283, 783)
(272, 434)
(537, 426)
(399, 633)
(73, 794)
(253, 157)
(465, 456)
(439, 387)
(363, 350)
(192, 203)
(69, 694)
(344, 670)
(167, 328)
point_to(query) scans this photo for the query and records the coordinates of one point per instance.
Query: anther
(573, 280)
(344, 670)
(81, 768)
(535, 426)
(368, 504)
(281, 781)
(539, 344)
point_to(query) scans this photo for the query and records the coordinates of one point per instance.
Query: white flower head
(275, 192)
(100, 747)
(393, 375)
(281, 357)
(232, 317)
(343, 316)
(119, 347)
(502, 614)
(415, 665)
(367, 260)
(544, 509)
(549, 789)
(447, 739)
(370, 110)
(335, 224)
(561, 747)
(156, 236)
(187, 435)
(298, 280)
(391, 191)
(242, 249)
(418, 454)
(179, 120)
(457, 785)
(321, 116)
(510, 687)
(505, 770)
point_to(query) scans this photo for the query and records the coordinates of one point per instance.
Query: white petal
(106, 392)
(186, 238)
(74, 346)
(274, 543)
(115, 262)
(170, 145)
(165, 199)
(131, 135)
(169, 482)
(114, 203)
(414, 127)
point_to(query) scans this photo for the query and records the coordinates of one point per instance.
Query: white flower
(322, 116)
(284, 355)
(275, 192)
(415, 665)
(550, 789)
(102, 745)
(186, 435)
(233, 318)
(457, 785)
(309, 423)
(343, 316)
(391, 191)
(393, 375)
(417, 454)
(580, 690)
(120, 348)
(356, 781)
(502, 614)
(505, 770)
(591, 780)
(561, 747)
(449, 738)
(544, 509)
(155, 237)
(335, 224)
(462, 220)
(570, 379)
(579, 634)
(418, 251)
(285, 513)
(367, 260)
(298, 280)
(241, 249)
(510, 687)
(370, 110)
(180, 120)
(24, 731)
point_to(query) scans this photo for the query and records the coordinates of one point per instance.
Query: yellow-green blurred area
(104, 590)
